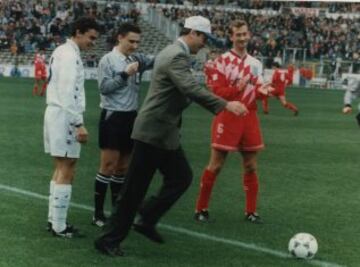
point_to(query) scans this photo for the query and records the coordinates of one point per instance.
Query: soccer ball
(303, 246)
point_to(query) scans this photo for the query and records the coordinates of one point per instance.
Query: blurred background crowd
(26, 26)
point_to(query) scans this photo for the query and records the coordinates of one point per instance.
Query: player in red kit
(40, 73)
(209, 67)
(281, 78)
(236, 76)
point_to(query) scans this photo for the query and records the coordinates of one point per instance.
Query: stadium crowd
(333, 7)
(27, 25)
(321, 36)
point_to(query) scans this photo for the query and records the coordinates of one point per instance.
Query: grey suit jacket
(172, 89)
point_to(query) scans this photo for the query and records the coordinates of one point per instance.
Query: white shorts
(59, 134)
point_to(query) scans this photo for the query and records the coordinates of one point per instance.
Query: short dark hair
(184, 31)
(237, 24)
(127, 27)
(83, 25)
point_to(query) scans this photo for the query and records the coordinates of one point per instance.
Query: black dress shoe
(149, 231)
(112, 252)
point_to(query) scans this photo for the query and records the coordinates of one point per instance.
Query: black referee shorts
(115, 129)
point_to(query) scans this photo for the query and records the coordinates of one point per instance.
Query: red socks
(35, 90)
(291, 106)
(265, 105)
(207, 181)
(251, 188)
(43, 89)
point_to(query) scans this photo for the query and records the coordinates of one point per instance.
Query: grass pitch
(308, 183)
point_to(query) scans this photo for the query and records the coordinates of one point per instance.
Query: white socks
(60, 205)
(51, 196)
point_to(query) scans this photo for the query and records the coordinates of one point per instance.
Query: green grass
(308, 183)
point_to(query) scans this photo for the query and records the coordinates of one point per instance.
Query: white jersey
(352, 86)
(66, 82)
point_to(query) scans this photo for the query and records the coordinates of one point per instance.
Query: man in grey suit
(156, 137)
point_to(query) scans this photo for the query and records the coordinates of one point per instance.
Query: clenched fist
(132, 68)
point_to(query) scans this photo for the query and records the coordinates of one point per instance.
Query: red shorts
(279, 91)
(236, 133)
(40, 73)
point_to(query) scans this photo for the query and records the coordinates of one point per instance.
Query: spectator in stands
(26, 44)
(14, 48)
(55, 28)
(15, 71)
(322, 35)
(78, 8)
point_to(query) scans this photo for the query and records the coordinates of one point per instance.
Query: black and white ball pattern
(303, 246)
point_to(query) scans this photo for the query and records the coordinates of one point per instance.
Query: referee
(119, 79)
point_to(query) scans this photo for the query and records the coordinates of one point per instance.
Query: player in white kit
(64, 129)
(351, 85)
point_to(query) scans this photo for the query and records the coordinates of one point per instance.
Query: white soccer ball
(303, 246)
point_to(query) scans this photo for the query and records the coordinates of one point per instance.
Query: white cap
(198, 23)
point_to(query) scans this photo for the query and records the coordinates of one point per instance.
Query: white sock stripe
(118, 179)
(103, 179)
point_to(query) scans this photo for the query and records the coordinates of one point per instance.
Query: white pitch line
(191, 233)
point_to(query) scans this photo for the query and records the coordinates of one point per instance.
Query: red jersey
(228, 70)
(40, 67)
(280, 79)
(290, 75)
(39, 60)
(209, 71)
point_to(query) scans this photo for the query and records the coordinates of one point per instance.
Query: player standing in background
(119, 79)
(40, 72)
(209, 67)
(281, 78)
(238, 76)
(351, 85)
(64, 129)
